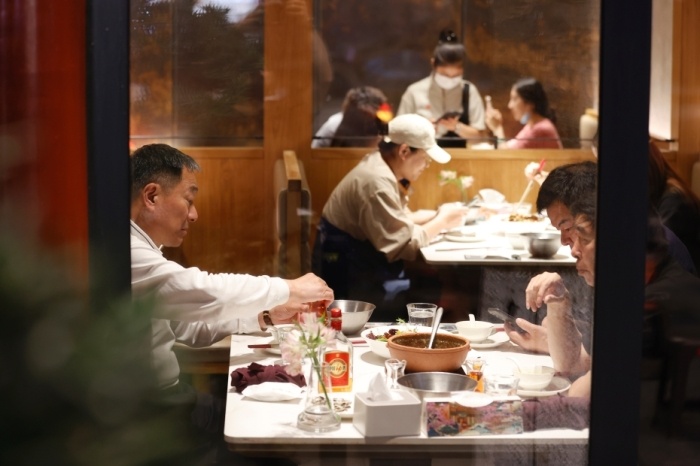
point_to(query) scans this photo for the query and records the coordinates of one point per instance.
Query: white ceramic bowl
(379, 347)
(516, 240)
(475, 331)
(535, 377)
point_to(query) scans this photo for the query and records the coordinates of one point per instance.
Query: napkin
(377, 390)
(257, 373)
(273, 391)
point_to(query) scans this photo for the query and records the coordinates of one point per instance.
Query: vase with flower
(462, 182)
(302, 352)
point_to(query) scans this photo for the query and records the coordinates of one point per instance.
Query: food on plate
(379, 336)
(523, 218)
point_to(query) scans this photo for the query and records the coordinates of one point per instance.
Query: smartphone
(449, 115)
(506, 318)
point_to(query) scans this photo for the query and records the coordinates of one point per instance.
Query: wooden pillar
(43, 177)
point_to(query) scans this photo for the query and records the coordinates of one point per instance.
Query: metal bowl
(436, 384)
(355, 314)
(543, 245)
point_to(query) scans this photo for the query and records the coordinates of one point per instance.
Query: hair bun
(447, 36)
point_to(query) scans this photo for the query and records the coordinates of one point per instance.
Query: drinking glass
(500, 383)
(421, 313)
(394, 369)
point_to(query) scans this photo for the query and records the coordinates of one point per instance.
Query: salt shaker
(394, 369)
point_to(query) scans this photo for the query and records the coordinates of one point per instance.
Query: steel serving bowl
(355, 314)
(436, 384)
(543, 245)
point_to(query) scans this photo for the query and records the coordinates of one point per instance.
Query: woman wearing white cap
(366, 229)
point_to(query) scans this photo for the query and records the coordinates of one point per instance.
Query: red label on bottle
(340, 363)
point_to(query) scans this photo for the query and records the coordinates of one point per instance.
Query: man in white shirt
(204, 307)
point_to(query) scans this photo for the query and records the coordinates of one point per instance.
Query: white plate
(558, 385)
(492, 341)
(344, 405)
(465, 235)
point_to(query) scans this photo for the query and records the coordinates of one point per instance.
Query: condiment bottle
(339, 355)
(319, 307)
(476, 374)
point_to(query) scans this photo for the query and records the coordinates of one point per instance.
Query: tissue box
(446, 417)
(388, 418)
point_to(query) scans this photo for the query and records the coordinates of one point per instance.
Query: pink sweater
(541, 135)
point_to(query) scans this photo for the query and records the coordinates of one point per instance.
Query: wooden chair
(293, 228)
(201, 363)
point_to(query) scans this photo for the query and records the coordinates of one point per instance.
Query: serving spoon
(436, 323)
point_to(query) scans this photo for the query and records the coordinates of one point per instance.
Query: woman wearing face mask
(452, 103)
(528, 104)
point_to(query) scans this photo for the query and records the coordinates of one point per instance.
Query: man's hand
(308, 289)
(286, 314)
(545, 288)
(534, 340)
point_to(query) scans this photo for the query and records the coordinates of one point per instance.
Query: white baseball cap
(417, 132)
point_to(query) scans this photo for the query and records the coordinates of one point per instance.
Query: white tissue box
(388, 418)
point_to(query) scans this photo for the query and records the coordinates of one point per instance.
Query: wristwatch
(267, 319)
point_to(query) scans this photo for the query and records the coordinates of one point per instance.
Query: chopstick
(529, 186)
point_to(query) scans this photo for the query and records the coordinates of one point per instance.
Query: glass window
(196, 72)
(389, 45)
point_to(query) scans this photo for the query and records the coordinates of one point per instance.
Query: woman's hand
(494, 120)
(449, 123)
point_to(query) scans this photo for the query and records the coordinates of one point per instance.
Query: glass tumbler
(394, 368)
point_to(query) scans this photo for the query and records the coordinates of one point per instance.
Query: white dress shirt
(206, 307)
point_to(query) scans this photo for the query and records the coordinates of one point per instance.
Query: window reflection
(196, 72)
(505, 40)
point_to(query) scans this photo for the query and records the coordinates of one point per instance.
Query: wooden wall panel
(689, 118)
(502, 170)
(230, 234)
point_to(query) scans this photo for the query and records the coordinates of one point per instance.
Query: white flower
(310, 334)
(447, 176)
(466, 181)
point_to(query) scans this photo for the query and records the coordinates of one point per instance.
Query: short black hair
(158, 163)
(569, 184)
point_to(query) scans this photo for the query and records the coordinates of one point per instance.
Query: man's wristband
(267, 319)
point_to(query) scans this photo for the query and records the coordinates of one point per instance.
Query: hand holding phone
(448, 115)
(510, 320)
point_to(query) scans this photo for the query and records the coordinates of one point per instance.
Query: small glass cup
(394, 368)
(421, 314)
(500, 383)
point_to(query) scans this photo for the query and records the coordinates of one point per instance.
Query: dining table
(264, 428)
(495, 241)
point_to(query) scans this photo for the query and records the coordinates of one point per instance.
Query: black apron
(355, 270)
